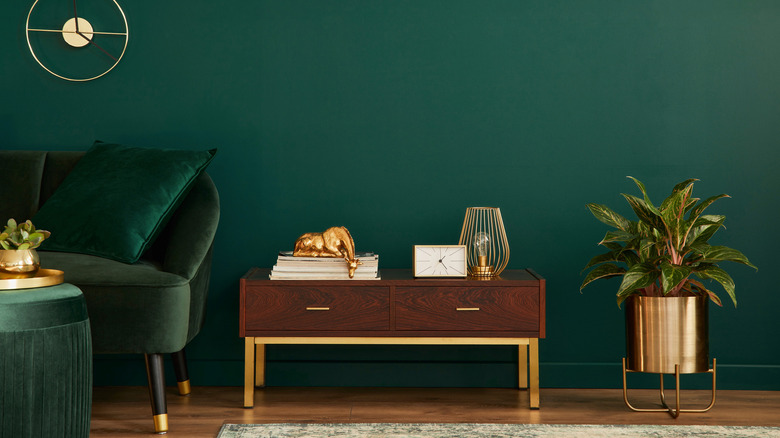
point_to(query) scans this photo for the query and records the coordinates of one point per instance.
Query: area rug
(465, 430)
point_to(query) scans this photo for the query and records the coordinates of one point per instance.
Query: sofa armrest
(190, 232)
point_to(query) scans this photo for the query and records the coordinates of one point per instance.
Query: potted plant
(664, 258)
(18, 258)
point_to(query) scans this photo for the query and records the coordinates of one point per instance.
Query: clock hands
(89, 39)
(76, 16)
(96, 45)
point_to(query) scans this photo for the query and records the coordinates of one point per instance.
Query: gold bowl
(15, 264)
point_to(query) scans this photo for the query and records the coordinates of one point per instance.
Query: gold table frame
(528, 356)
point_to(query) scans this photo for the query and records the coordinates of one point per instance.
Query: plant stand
(677, 410)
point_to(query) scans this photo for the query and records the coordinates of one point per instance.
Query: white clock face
(440, 261)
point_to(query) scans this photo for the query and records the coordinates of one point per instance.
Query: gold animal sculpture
(333, 242)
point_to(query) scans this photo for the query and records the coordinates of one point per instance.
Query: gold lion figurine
(333, 242)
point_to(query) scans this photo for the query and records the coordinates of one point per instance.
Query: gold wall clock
(440, 261)
(77, 40)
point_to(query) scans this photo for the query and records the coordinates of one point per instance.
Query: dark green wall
(392, 117)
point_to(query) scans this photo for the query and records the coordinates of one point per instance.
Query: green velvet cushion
(133, 308)
(43, 307)
(117, 199)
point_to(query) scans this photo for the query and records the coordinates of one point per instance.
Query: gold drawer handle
(318, 308)
(467, 309)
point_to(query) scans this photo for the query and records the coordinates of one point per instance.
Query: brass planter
(19, 263)
(668, 335)
(662, 332)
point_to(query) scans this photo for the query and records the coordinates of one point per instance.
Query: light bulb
(481, 243)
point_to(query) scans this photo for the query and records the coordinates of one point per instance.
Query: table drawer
(467, 308)
(317, 308)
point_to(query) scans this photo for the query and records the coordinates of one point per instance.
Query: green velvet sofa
(153, 306)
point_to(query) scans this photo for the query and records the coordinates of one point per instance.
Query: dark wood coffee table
(398, 309)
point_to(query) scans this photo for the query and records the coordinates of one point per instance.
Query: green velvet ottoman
(45, 363)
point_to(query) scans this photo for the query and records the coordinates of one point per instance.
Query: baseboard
(111, 370)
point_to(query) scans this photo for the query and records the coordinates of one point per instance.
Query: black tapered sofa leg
(180, 368)
(156, 374)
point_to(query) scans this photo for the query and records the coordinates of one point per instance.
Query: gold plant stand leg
(677, 410)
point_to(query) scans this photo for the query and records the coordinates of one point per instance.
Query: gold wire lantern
(485, 239)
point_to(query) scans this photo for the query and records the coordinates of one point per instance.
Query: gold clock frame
(126, 35)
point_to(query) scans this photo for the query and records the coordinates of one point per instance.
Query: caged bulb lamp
(486, 243)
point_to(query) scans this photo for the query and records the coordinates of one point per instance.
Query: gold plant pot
(19, 263)
(662, 332)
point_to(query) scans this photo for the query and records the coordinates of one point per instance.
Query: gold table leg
(260, 365)
(522, 366)
(533, 372)
(249, 372)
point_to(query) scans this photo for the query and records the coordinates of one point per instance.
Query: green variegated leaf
(643, 212)
(704, 204)
(614, 246)
(713, 296)
(23, 246)
(616, 236)
(642, 229)
(691, 203)
(602, 258)
(684, 184)
(715, 254)
(722, 277)
(648, 203)
(638, 276)
(602, 271)
(674, 196)
(647, 249)
(609, 217)
(672, 211)
(703, 228)
(672, 276)
(628, 257)
(616, 256)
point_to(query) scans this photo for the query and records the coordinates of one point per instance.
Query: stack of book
(289, 267)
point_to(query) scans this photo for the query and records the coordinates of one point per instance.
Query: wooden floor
(125, 411)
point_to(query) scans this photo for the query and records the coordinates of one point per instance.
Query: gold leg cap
(161, 423)
(184, 387)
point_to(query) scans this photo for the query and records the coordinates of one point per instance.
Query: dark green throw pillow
(117, 199)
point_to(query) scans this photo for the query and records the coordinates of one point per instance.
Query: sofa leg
(180, 368)
(156, 375)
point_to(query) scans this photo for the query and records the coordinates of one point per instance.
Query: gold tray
(44, 277)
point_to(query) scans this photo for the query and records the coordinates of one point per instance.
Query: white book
(320, 276)
(338, 262)
(335, 269)
(287, 255)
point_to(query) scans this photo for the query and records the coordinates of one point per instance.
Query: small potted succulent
(18, 258)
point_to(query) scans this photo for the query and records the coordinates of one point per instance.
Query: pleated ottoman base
(45, 363)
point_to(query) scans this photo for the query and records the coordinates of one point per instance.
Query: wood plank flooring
(125, 411)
